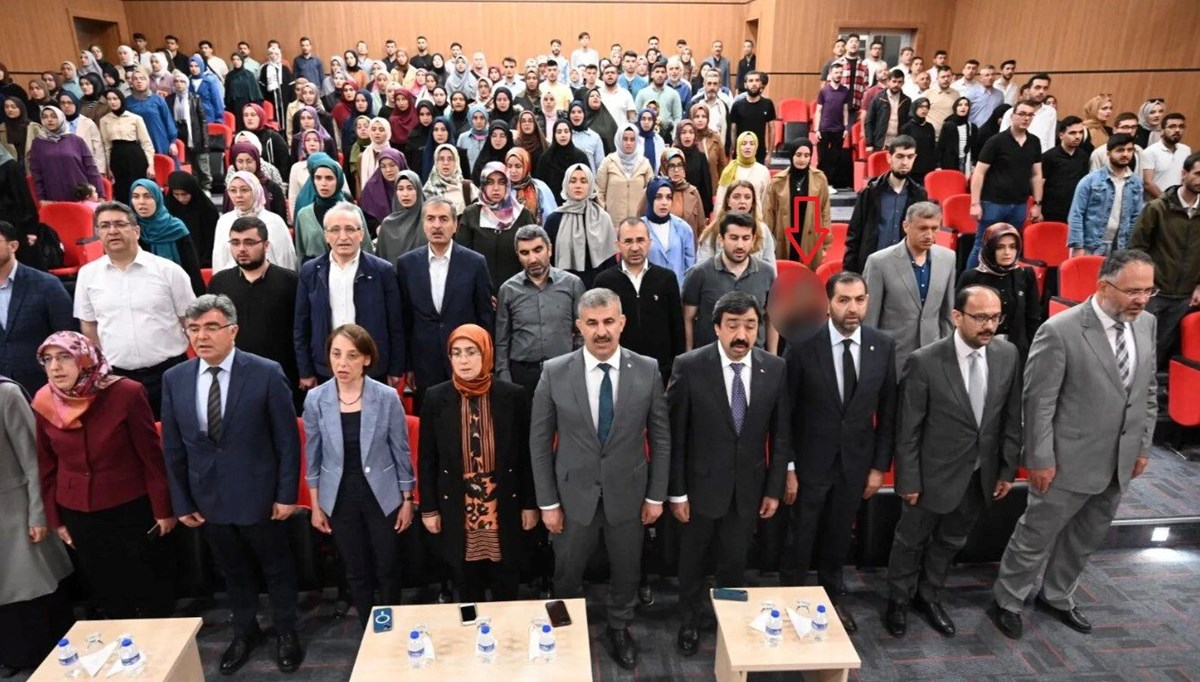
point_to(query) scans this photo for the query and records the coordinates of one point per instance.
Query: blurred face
(578, 186)
(439, 98)
(601, 329)
(441, 134)
(741, 199)
(86, 86)
(362, 129)
(406, 193)
(562, 135)
(11, 110)
(241, 195)
(962, 108)
(458, 102)
(852, 45)
(502, 101)
(1124, 296)
(248, 249)
(347, 363)
(118, 233)
(484, 90)
(112, 99)
(576, 116)
(465, 359)
(921, 233)
(969, 71)
(1006, 250)
(312, 144)
(378, 132)
(422, 44)
(895, 85)
(194, 68)
(747, 48)
(658, 75)
(700, 118)
(848, 306)
(245, 162)
(510, 70)
(182, 196)
(801, 158)
(305, 47)
(1191, 178)
(36, 90)
(944, 79)
(646, 121)
(250, 119)
(1154, 116)
(987, 77)
(1128, 126)
(628, 141)
(389, 169)
(1105, 111)
(348, 92)
(440, 224)
(527, 125)
(629, 63)
(531, 81)
(139, 81)
(922, 80)
(746, 148)
(446, 163)
(662, 202)
(534, 255)
(61, 368)
(142, 202)
(211, 336)
(181, 83)
(737, 333)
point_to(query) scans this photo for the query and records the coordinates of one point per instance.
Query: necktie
(215, 427)
(976, 388)
(737, 398)
(1122, 355)
(849, 376)
(605, 417)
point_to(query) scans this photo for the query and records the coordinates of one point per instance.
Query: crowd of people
(573, 272)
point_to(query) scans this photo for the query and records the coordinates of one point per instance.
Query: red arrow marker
(794, 231)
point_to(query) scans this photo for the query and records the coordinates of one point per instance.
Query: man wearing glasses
(1089, 405)
(958, 442)
(131, 303)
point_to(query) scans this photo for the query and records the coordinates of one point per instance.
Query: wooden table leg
(827, 675)
(187, 667)
(722, 667)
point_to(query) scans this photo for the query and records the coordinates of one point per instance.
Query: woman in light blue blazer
(672, 241)
(360, 472)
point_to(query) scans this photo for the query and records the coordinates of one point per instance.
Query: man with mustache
(729, 402)
(958, 441)
(732, 269)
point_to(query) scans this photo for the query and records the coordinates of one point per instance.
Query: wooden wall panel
(40, 34)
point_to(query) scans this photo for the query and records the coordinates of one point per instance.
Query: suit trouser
(926, 544)
(1060, 529)
(235, 549)
(1170, 311)
(574, 545)
(827, 508)
(733, 533)
(151, 379)
(366, 539)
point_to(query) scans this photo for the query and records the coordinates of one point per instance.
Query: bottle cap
(485, 628)
(774, 613)
(414, 635)
(63, 642)
(545, 628)
(125, 641)
(821, 608)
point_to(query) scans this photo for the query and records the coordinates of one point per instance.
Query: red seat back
(221, 130)
(828, 269)
(1183, 392)
(943, 183)
(793, 110)
(1077, 277)
(269, 109)
(1046, 242)
(414, 448)
(956, 214)
(877, 164)
(163, 167)
(1189, 337)
(229, 119)
(70, 220)
(105, 188)
(837, 250)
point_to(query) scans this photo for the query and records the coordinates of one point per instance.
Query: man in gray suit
(912, 284)
(958, 440)
(1090, 406)
(604, 403)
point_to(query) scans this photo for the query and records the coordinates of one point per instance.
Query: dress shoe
(847, 620)
(623, 650)
(645, 595)
(289, 653)
(896, 618)
(238, 652)
(1071, 617)
(688, 640)
(936, 615)
(1006, 621)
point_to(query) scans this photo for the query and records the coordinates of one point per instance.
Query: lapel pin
(871, 348)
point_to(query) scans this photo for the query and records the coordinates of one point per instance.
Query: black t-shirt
(1061, 172)
(1010, 167)
(753, 117)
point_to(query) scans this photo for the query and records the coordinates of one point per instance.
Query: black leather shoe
(289, 654)
(896, 618)
(238, 652)
(936, 615)
(645, 595)
(1006, 621)
(623, 650)
(688, 640)
(1072, 617)
(847, 620)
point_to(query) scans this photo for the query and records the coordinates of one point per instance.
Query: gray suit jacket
(578, 472)
(937, 439)
(1078, 415)
(383, 439)
(894, 304)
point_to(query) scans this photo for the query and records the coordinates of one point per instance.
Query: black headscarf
(97, 87)
(552, 167)
(17, 128)
(490, 153)
(200, 214)
(600, 122)
(798, 178)
(509, 116)
(119, 110)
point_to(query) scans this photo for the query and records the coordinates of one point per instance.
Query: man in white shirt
(917, 86)
(874, 59)
(215, 64)
(1164, 159)
(967, 81)
(616, 99)
(131, 303)
(906, 60)
(514, 84)
(1045, 119)
(556, 56)
(584, 54)
(1007, 83)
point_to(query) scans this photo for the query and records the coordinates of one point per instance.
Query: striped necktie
(1122, 353)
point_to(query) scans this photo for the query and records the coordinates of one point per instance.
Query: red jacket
(115, 458)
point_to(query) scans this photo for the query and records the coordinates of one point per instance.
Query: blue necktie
(605, 417)
(737, 399)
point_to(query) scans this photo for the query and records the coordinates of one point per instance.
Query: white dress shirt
(1111, 334)
(963, 351)
(280, 250)
(341, 290)
(136, 309)
(838, 349)
(636, 280)
(439, 268)
(204, 383)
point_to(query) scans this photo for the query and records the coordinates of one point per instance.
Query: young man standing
(746, 64)
(1006, 83)
(1164, 159)
(616, 99)
(754, 114)
(857, 73)
(1008, 172)
(1106, 204)
(584, 54)
(629, 79)
(874, 59)
(719, 62)
(1063, 167)
(941, 99)
(423, 59)
(1045, 119)
(833, 118)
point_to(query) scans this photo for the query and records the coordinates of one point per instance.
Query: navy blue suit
(39, 307)
(376, 309)
(467, 300)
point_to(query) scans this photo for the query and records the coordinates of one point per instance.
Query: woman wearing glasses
(999, 269)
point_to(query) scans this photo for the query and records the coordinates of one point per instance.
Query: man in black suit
(841, 432)
(649, 296)
(33, 305)
(728, 402)
(958, 439)
(442, 286)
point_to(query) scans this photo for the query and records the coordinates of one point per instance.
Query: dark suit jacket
(710, 462)
(653, 316)
(937, 439)
(257, 461)
(856, 437)
(862, 235)
(39, 307)
(376, 308)
(441, 465)
(468, 300)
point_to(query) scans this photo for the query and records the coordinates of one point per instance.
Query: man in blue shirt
(983, 96)
(308, 65)
(629, 78)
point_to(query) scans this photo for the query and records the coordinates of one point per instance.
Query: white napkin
(93, 662)
(760, 621)
(429, 655)
(802, 624)
(535, 651)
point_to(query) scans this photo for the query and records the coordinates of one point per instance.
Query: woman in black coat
(1017, 286)
(922, 132)
(476, 479)
(956, 126)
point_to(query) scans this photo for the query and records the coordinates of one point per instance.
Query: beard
(253, 264)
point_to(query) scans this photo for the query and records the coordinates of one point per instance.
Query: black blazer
(858, 436)
(498, 247)
(39, 307)
(712, 464)
(440, 465)
(653, 318)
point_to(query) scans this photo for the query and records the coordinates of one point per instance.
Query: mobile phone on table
(467, 613)
(381, 620)
(557, 611)
(730, 594)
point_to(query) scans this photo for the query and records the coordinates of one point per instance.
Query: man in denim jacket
(1107, 203)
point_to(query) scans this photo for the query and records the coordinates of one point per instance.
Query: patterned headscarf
(64, 409)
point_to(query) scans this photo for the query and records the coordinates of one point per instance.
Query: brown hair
(361, 338)
(711, 231)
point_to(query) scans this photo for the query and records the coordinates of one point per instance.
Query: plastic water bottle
(416, 650)
(820, 624)
(485, 644)
(131, 658)
(546, 644)
(774, 634)
(68, 659)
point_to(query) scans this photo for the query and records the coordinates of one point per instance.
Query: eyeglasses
(114, 225)
(248, 243)
(61, 358)
(1135, 293)
(210, 328)
(980, 318)
(342, 230)
(675, 166)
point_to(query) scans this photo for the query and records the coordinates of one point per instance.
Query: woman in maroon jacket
(103, 478)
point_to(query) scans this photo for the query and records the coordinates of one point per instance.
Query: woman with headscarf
(103, 478)
(1150, 116)
(16, 201)
(354, 72)
(59, 161)
(529, 192)
(379, 190)
(446, 179)
(1096, 114)
(244, 155)
(403, 71)
(547, 113)
(489, 227)
(275, 81)
(403, 229)
(502, 107)
(308, 118)
(528, 136)
(241, 89)
(460, 79)
(307, 99)
(92, 103)
(475, 479)
(561, 155)
(11, 88)
(439, 134)
(710, 144)
(623, 176)
(745, 166)
(361, 107)
(344, 109)
(672, 241)
(685, 198)
(921, 130)
(438, 67)
(459, 115)
(584, 139)
(585, 241)
(162, 234)
(957, 144)
(742, 198)
(70, 80)
(161, 78)
(85, 128)
(802, 179)
(127, 145)
(188, 112)
(39, 97)
(483, 93)
(310, 144)
(599, 121)
(274, 148)
(337, 69)
(418, 138)
(472, 140)
(314, 202)
(999, 269)
(16, 130)
(88, 64)
(650, 144)
(440, 98)
(495, 148)
(188, 202)
(695, 163)
(246, 198)
(379, 131)
(403, 120)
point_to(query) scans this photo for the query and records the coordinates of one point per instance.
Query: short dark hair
(1119, 140)
(942, 68)
(940, 53)
(900, 142)
(139, 36)
(242, 42)
(527, 233)
(584, 33)
(1008, 62)
(509, 60)
(1116, 261)
(843, 277)
(839, 40)
(1191, 160)
(1037, 77)
(555, 40)
(656, 66)
(629, 53)
(895, 73)
(170, 37)
(853, 35)
(1124, 116)
(973, 61)
(735, 218)
(1174, 116)
(247, 223)
(651, 38)
(455, 44)
(117, 206)
(963, 295)
(9, 232)
(361, 338)
(1067, 123)
(205, 43)
(749, 40)
(304, 38)
(735, 303)
(878, 42)
(422, 38)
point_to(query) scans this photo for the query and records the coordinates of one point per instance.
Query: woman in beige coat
(800, 180)
(623, 176)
